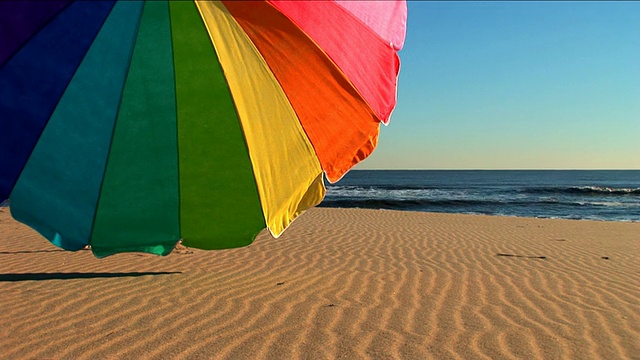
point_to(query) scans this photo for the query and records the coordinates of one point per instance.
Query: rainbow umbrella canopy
(132, 125)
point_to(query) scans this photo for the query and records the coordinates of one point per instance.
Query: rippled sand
(352, 284)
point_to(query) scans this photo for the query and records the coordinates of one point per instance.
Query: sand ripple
(355, 284)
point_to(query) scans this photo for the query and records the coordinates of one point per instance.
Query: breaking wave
(407, 204)
(585, 190)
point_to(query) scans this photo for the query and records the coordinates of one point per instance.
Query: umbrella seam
(233, 101)
(113, 130)
(387, 117)
(44, 25)
(175, 101)
(331, 59)
(385, 41)
(49, 117)
(344, 76)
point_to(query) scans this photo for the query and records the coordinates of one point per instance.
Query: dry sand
(353, 284)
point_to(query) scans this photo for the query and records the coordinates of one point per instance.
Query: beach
(339, 283)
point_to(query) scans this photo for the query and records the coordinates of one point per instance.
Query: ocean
(609, 195)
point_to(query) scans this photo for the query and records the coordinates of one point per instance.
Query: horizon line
(494, 169)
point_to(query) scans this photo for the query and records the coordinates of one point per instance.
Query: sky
(516, 85)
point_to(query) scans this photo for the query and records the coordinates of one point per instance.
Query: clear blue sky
(516, 85)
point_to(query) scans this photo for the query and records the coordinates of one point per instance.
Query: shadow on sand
(69, 276)
(31, 251)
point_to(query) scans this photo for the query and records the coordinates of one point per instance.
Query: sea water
(611, 195)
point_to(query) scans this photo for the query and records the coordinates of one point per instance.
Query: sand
(352, 284)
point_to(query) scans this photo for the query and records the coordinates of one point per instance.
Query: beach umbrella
(132, 125)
